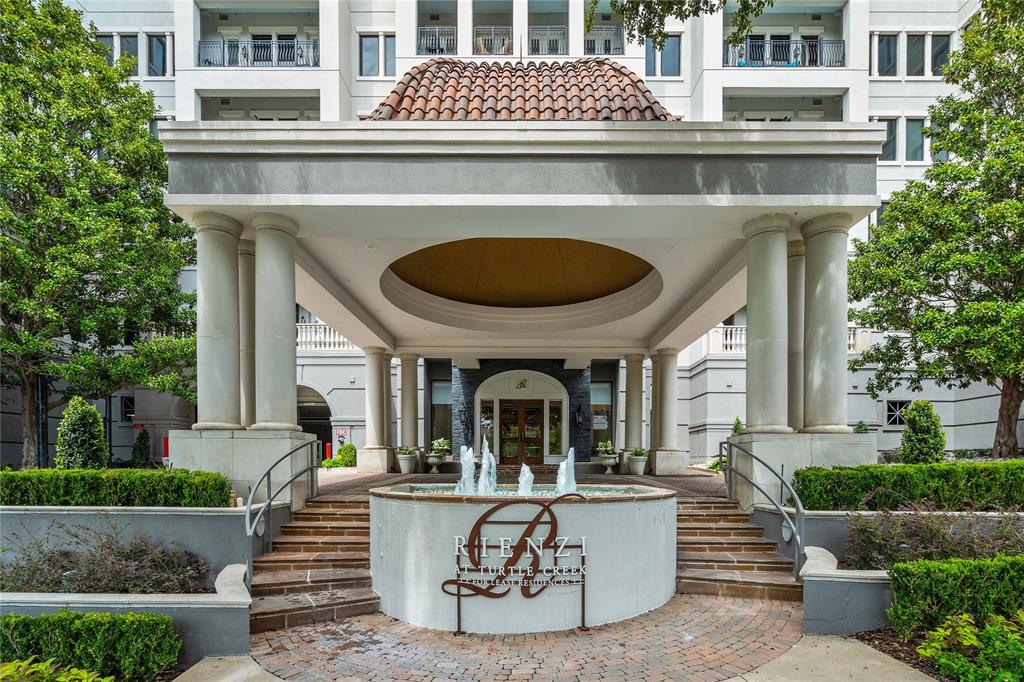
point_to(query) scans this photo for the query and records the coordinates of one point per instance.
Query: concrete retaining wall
(838, 601)
(209, 624)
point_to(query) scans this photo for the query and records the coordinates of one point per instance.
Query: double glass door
(521, 431)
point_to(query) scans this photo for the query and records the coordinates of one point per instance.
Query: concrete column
(373, 457)
(825, 324)
(655, 392)
(634, 401)
(247, 329)
(410, 401)
(668, 459)
(767, 403)
(275, 323)
(217, 349)
(389, 413)
(795, 333)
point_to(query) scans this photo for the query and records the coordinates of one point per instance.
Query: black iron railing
(781, 53)
(283, 53)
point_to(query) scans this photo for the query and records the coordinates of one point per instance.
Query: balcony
(548, 40)
(604, 40)
(732, 340)
(786, 53)
(436, 40)
(229, 52)
(492, 40)
(320, 337)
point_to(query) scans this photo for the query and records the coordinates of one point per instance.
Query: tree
(90, 254)
(943, 274)
(141, 450)
(646, 18)
(923, 441)
(80, 442)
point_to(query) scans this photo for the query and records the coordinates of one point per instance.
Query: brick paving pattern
(693, 637)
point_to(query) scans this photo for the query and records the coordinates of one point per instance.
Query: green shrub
(923, 439)
(948, 486)
(878, 541)
(344, 457)
(962, 652)
(80, 442)
(861, 427)
(31, 670)
(115, 488)
(737, 427)
(925, 593)
(141, 451)
(132, 646)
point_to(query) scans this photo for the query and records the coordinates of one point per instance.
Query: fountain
(466, 483)
(565, 482)
(525, 481)
(488, 483)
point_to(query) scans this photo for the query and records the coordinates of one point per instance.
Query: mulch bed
(888, 642)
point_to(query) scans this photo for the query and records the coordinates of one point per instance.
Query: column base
(373, 459)
(217, 426)
(275, 426)
(768, 428)
(827, 428)
(669, 462)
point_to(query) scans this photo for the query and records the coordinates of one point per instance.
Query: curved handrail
(795, 525)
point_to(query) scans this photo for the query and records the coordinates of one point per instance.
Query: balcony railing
(318, 336)
(733, 339)
(548, 40)
(492, 40)
(604, 40)
(436, 40)
(786, 53)
(285, 53)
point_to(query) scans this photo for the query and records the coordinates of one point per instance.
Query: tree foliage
(944, 271)
(91, 256)
(646, 18)
(923, 441)
(142, 450)
(80, 442)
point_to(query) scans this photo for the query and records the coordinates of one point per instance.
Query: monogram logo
(521, 384)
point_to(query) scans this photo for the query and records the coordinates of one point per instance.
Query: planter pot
(608, 461)
(433, 459)
(407, 464)
(637, 465)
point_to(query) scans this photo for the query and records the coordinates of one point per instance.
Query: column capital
(634, 357)
(666, 352)
(412, 357)
(833, 222)
(208, 220)
(246, 247)
(275, 221)
(373, 350)
(795, 248)
(769, 222)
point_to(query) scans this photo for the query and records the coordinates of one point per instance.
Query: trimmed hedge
(132, 646)
(925, 593)
(114, 488)
(949, 486)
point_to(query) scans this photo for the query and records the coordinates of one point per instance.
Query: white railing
(318, 336)
(436, 40)
(492, 40)
(604, 40)
(733, 339)
(545, 40)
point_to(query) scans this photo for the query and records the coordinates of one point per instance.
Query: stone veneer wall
(465, 382)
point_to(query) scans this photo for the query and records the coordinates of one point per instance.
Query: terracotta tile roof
(595, 89)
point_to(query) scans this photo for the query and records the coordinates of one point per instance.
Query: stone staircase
(320, 567)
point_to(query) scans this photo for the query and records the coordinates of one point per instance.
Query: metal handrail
(252, 523)
(725, 450)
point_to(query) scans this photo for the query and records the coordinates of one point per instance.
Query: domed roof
(593, 89)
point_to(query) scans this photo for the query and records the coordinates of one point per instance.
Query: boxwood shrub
(114, 488)
(131, 646)
(925, 593)
(949, 486)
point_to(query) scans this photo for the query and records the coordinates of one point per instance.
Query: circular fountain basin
(511, 564)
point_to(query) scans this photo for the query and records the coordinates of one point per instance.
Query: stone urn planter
(637, 464)
(608, 461)
(433, 459)
(407, 461)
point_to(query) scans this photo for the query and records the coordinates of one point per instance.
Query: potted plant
(637, 461)
(407, 458)
(439, 449)
(606, 455)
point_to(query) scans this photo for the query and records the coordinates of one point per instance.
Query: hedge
(114, 488)
(950, 486)
(925, 593)
(132, 646)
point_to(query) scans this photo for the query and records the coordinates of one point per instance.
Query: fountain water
(466, 483)
(525, 481)
(488, 483)
(565, 482)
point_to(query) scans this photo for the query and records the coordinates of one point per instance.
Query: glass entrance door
(521, 431)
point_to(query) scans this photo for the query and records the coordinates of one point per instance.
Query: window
(915, 139)
(888, 53)
(554, 427)
(440, 410)
(889, 146)
(108, 42)
(894, 412)
(487, 423)
(937, 155)
(915, 54)
(128, 408)
(940, 52)
(157, 55)
(601, 411)
(369, 56)
(668, 61)
(130, 47)
(880, 212)
(389, 55)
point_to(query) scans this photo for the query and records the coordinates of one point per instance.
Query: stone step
(361, 503)
(712, 516)
(317, 579)
(289, 561)
(736, 561)
(330, 527)
(718, 544)
(734, 530)
(322, 543)
(746, 584)
(694, 504)
(343, 515)
(288, 610)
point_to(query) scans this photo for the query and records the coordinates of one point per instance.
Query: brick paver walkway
(693, 637)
